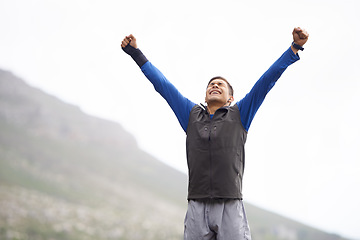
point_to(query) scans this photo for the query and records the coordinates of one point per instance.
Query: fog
(302, 153)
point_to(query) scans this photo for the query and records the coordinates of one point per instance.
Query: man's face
(218, 92)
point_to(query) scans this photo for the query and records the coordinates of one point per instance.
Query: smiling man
(215, 139)
(218, 92)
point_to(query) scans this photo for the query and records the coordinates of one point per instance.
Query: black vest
(215, 153)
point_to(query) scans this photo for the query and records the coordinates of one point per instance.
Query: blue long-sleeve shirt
(248, 106)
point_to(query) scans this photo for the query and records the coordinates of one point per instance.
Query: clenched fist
(300, 36)
(129, 39)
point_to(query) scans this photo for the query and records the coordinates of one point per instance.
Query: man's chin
(215, 100)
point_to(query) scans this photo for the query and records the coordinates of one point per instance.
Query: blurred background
(89, 150)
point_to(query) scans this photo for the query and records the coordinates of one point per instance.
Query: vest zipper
(211, 160)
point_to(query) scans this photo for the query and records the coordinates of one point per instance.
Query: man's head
(219, 92)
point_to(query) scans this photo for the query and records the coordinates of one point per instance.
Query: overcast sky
(302, 153)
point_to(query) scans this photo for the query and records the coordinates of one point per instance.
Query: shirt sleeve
(180, 105)
(249, 105)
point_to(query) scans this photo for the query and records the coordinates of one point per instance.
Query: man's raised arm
(249, 105)
(180, 105)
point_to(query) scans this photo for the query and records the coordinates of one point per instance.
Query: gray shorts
(216, 220)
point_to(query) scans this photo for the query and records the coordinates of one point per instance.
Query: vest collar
(204, 107)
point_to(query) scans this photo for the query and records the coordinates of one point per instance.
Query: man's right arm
(180, 105)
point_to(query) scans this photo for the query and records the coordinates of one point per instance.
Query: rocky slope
(67, 175)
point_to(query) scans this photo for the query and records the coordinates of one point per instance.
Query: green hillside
(68, 175)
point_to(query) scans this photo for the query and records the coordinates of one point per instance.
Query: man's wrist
(297, 46)
(136, 54)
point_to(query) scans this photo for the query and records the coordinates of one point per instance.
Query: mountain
(67, 175)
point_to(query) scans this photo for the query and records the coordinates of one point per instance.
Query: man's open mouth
(215, 92)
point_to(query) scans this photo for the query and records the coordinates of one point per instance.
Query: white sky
(302, 153)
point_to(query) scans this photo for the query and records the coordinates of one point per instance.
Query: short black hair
(231, 90)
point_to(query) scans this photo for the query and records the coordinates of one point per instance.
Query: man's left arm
(249, 105)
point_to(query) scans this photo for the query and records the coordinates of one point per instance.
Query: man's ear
(231, 99)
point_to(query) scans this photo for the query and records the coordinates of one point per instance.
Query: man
(216, 135)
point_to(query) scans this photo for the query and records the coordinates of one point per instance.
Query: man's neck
(215, 106)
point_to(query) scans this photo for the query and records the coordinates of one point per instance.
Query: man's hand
(300, 36)
(129, 39)
(129, 46)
